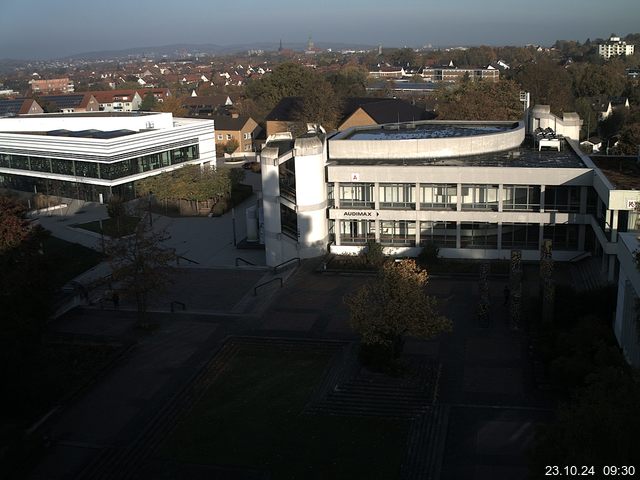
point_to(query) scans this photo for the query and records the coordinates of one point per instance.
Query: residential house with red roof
(118, 100)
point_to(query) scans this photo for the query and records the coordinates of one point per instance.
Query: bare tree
(140, 264)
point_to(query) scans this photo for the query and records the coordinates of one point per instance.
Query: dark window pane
(86, 169)
(63, 167)
(40, 164)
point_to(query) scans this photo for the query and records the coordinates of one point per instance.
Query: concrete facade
(626, 325)
(482, 173)
(344, 147)
(474, 196)
(568, 126)
(307, 237)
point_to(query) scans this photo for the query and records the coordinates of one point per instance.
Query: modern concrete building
(471, 188)
(91, 156)
(457, 184)
(626, 325)
(477, 190)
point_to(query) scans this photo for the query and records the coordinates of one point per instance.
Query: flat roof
(419, 130)
(88, 114)
(622, 172)
(523, 157)
(91, 133)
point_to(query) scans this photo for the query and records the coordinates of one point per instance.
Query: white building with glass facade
(91, 156)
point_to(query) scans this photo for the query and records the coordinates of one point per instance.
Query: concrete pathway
(490, 405)
(206, 241)
(115, 411)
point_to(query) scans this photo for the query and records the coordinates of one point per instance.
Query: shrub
(373, 254)
(429, 255)
(220, 207)
(239, 193)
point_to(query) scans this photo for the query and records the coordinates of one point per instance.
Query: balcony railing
(438, 206)
(356, 204)
(356, 240)
(398, 205)
(397, 241)
(288, 192)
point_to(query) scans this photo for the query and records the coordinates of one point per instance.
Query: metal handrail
(255, 289)
(178, 257)
(580, 256)
(245, 261)
(296, 259)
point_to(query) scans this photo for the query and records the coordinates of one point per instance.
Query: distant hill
(179, 50)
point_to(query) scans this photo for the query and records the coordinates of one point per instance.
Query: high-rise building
(615, 47)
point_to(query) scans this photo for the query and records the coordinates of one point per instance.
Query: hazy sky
(55, 28)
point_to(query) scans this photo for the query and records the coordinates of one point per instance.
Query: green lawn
(68, 260)
(251, 417)
(111, 228)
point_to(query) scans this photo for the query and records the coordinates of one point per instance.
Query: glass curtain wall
(397, 195)
(562, 198)
(520, 236)
(478, 235)
(398, 232)
(438, 196)
(480, 197)
(441, 234)
(100, 170)
(356, 195)
(357, 232)
(521, 197)
(562, 236)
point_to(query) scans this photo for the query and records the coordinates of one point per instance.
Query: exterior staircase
(586, 274)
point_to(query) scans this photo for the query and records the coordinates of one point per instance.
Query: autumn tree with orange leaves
(393, 306)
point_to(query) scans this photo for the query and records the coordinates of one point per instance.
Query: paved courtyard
(486, 408)
(489, 406)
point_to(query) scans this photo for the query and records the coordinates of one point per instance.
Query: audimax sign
(361, 214)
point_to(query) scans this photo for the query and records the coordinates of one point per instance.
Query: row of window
(104, 171)
(445, 197)
(245, 136)
(70, 189)
(472, 234)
